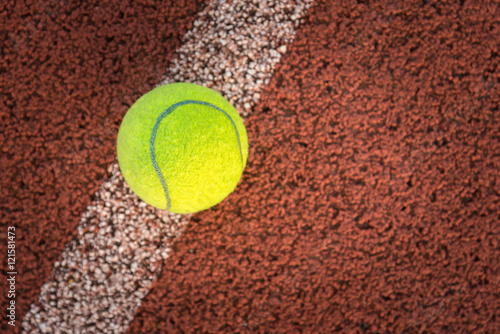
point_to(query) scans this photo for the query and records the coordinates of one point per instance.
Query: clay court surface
(371, 198)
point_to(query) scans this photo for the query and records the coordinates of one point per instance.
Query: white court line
(106, 271)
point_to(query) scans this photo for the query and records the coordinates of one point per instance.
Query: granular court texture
(371, 198)
(68, 73)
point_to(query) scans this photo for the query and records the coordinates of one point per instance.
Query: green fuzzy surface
(196, 148)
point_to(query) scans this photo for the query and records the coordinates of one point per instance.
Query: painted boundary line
(104, 274)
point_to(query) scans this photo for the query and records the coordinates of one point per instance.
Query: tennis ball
(182, 147)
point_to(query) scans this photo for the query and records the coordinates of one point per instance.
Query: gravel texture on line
(370, 202)
(235, 45)
(109, 267)
(69, 72)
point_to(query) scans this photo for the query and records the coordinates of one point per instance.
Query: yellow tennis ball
(182, 147)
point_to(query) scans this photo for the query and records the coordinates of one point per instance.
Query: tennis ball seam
(165, 113)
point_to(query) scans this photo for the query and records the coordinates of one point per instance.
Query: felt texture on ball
(182, 147)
